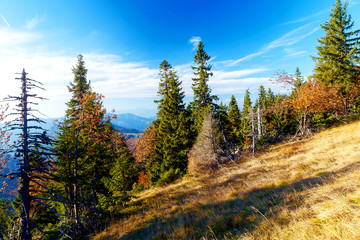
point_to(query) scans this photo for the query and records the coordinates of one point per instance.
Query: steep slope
(301, 190)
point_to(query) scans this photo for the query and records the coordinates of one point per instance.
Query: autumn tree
(338, 52)
(314, 97)
(201, 89)
(309, 98)
(172, 129)
(145, 153)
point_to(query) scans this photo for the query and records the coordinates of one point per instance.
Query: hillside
(308, 189)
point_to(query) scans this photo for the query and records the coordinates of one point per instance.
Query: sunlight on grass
(301, 190)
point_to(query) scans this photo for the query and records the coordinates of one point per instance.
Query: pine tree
(234, 118)
(88, 152)
(247, 115)
(70, 139)
(202, 93)
(338, 52)
(123, 174)
(172, 129)
(298, 78)
(247, 104)
(80, 85)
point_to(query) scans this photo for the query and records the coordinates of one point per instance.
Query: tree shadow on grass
(239, 215)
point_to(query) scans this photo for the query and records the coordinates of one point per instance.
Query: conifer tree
(234, 118)
(172, 129)
(246, 127)
(339, 51)
(247, 104)
(80, 85)
(70, 141)
(202, 93)
(87, 145)
(298, 78)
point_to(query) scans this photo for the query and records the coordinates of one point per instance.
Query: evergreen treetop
(80, 85)
(247, 104)
(202, 93)
(339, 49)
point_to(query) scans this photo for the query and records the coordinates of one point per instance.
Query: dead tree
(32, 152)
(261, 129)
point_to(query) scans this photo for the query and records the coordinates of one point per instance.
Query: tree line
(77, 181)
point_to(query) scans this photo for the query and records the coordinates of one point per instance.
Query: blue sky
(123, 43)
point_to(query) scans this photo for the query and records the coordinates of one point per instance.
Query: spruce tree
(202, 93)
(172, 129)
(70, 140)
(247, 104)
(299, 79)
(88, 152)
(80, 85)
(246, 117)
(234, 118)
(339, 51)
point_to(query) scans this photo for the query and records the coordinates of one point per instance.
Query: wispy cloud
(291, 52)
(292, 37)
(10, 38)
(3, 18)
(288, 39)
(353, 2)
(194, 41)
(304, 19)
(109, 73)
(231, 63)
(30, 24)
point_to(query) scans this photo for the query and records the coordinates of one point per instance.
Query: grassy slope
(301, 190)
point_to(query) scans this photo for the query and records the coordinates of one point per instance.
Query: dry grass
(302, 190)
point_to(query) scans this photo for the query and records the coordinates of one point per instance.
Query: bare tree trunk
(259, 122)
(25, 180)
(94, 187)
(76, 191)
(253, 130)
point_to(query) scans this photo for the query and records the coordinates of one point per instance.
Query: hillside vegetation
(300, 190)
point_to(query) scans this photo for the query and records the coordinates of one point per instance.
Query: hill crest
(312, 184)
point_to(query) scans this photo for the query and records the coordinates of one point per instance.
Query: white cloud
(288, 39)
(230, 63)
(303, 19)
(3, 18)
(110, 74)
(30, 24)
(291, 52)
(292, 37)
(10, 39)
(195, 41)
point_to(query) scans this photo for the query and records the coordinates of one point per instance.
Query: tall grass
(301, 190)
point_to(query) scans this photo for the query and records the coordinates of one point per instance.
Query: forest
(77, 182)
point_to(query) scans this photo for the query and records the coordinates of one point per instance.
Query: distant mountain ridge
(125, 122)
(132, 121)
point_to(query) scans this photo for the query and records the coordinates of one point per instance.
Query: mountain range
(125, 122)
